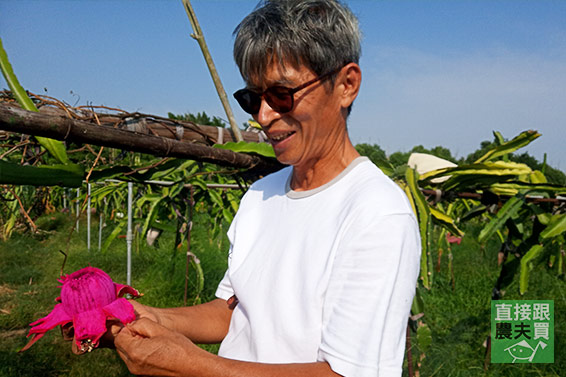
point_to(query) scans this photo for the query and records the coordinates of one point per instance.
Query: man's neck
(323, 170)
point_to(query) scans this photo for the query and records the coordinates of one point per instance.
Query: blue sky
(434, 72)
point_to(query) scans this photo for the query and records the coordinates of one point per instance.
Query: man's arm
(148, 348)
(205, 323)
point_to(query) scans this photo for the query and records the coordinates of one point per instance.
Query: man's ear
(349, 82)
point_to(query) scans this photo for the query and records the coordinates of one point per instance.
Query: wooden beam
(15, 119)
(150, 124)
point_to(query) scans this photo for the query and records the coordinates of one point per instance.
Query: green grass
(30, 267)
(459, 319)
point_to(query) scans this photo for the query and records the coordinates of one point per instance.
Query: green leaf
(199, 183)
(523, 139)
(70, 175)
(542, 215)
(170, 226)
(99, 193)
(54, 147)
(473, 212)
(151, 214)
(526, 266)
(112, 236)
(168, 168)
(477, 176)
(509, 209)
(498, 138)
(537, 177)
(500, 141)
(262, 149)
(158, 172)
(422, 206)
(216, 198)
(512, 188)
(19, 92)
(418, 304)
(234, 202)
(228, 216)
(149, 197)
(407, 191)
(107, 173)
(473, 182)
(555, 227)
(255, 124)
(12, 205)
(424, 337)
(445, 221)
(497, 168)
(423, 216)
(176, 189)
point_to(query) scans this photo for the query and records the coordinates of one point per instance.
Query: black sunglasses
(279, 98)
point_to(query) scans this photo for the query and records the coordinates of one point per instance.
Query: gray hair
(322, 35)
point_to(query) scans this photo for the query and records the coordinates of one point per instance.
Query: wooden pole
(199, 37)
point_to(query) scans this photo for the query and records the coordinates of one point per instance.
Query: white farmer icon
(524, 351)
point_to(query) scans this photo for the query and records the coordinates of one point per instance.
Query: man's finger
(76, 349)
(146, 328)
(143, 311)
(113, 326)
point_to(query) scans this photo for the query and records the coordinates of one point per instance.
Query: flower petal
(89, 325)
(121, 309)
(34, 339)
(122, 289)
(58, 316)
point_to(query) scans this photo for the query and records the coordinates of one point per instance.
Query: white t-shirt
(323, 275)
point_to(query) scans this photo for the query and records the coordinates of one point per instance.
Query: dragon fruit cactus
(88, 298)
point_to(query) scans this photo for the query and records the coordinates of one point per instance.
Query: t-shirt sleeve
(224, 289)
(369, 296)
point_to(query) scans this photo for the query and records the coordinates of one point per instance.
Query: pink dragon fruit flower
(88, 298)
(453, 239)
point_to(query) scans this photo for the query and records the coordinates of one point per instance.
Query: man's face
(312, 129)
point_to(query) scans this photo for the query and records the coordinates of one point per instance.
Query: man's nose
(266, 115)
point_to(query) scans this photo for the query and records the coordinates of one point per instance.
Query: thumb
(146, 328)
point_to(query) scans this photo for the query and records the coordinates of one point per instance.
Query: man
(324, 253)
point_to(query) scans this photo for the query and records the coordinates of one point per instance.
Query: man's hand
(150, 349)
(113, 326)
(106, 341)
(143, 311)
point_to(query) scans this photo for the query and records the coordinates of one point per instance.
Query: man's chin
(285, 160)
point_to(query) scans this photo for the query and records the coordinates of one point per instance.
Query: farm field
(459, 318)
(29, 268)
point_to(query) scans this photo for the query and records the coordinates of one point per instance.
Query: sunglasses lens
(248, 100)
(279, 99)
